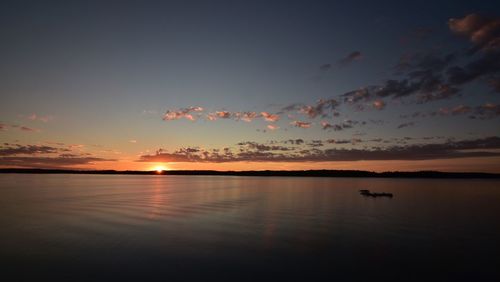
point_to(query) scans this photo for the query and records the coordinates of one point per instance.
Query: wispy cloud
(272, 127)
(187, 113)
(353, 56)
(482, 112)
(35, 117)
(301, 124)
(320, 108)
(346, 124)
(270, 117)
(19, 127)
(406, 124)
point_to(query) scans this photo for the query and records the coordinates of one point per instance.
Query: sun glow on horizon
(160, 168)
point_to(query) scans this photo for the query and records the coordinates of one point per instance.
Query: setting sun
(160, 168)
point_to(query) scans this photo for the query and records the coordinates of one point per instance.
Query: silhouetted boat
(367, 193)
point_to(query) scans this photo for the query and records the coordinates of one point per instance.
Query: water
(115, 227)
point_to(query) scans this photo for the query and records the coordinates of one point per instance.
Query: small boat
(367, 193)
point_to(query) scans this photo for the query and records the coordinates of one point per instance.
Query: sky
(250, 85)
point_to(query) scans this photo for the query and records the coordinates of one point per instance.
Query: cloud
(35, 117)
(461, 109)
(186, 113)
(406, 124)
(347, 124)
(245, 116)
(486, 111)
(263, 147)
(326, 125)
(295, 141)
(430, 76)
(223, 114)
(272, 127)
(422, 62)
(486, 65)
(300, 124)
(315, 143)
(482, 31)
(379, 104)
(50, 162)
(320, 108)
(353, 56)
(270, 117)
(325, 67)
(483, 112)
(17, 149)
(495, 84)
(211, 116)
(422, 77)
(24, 128)
(358, 95)
(485, 147)
(133, 141)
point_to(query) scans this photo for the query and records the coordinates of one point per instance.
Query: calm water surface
(166, 228)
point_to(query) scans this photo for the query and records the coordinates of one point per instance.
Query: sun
(160, 168)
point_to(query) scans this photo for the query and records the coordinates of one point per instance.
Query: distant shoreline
(293, 173)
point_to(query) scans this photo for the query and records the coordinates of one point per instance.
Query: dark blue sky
(102, 74)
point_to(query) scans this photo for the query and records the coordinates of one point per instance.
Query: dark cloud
(420, 63)
(295, 141)
(427, 85)
(315, 143)
(353, 56)
(495, 84)
(325, 67)
(339, 141)
(291, 108)
(486, 111)
(326, 125)
(361, 94)
(431, 76)
(320, 109)
(263, 147)
(16, 149)
(482, 112)
(406, 124)
(49, 162)
(346, 124)
(484, 66)
(486, 147)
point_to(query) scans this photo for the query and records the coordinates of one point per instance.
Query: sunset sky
(250, 85)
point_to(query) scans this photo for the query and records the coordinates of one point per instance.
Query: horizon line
(295, 173)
